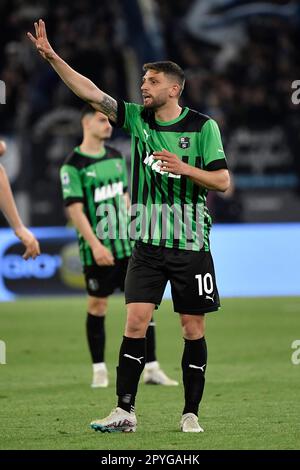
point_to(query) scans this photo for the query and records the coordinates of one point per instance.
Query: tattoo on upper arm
(109, 107)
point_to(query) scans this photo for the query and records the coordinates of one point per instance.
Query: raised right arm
(80, 85)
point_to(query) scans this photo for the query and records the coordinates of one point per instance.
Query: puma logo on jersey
(154, 164)
(208, 297)
(138, 359)
(91, 173)
(109, 191)
(192, 366)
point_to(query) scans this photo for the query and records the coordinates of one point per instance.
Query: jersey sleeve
(71, 185)
(128, 116)
(211, 147)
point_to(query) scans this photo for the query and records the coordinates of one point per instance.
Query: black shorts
(191, 274)
(102, 281)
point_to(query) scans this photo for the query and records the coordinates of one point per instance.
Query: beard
(155, 103)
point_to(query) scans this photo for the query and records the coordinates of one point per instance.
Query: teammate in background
(177, 157)
(8, 207)
(94, 179)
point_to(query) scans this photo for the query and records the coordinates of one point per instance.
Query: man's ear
(175, 90)
(85, 120)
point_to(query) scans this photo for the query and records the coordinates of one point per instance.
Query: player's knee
(135, 328)
(137, 324)
(97, 306)
(193, 327)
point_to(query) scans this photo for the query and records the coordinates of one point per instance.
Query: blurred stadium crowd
(240, 58)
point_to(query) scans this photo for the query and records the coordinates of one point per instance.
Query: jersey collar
(99, 155)
(173, 121)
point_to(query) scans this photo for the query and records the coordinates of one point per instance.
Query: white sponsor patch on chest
(109, 191)
(154, 164)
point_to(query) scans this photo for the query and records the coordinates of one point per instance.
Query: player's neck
(168, 112)
(91, 146)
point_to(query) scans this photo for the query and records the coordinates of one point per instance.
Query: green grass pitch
(251, 400)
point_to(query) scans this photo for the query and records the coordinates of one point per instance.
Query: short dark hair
(87, 109)
(168, 68)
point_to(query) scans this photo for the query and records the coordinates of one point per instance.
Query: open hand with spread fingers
(41, 41)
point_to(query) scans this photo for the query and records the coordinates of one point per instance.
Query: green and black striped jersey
(174, 208)
(99, 182)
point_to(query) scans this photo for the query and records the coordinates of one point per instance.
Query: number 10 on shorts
(205, 283)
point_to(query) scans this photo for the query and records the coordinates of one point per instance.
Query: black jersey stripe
(153, 218)
(86, 206)
(147, 199)
(117, 208)
(145, 191)
(82, 161)
(219, 164)
(184, 202)
(107, 215)
(162, 215)
(175, 214)
(171, 201)
(71, 200)
(85, 247)
(179, 217)
(136, 169)
(138, 179)
(178, 234)
(192, 122)
(92, 209)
